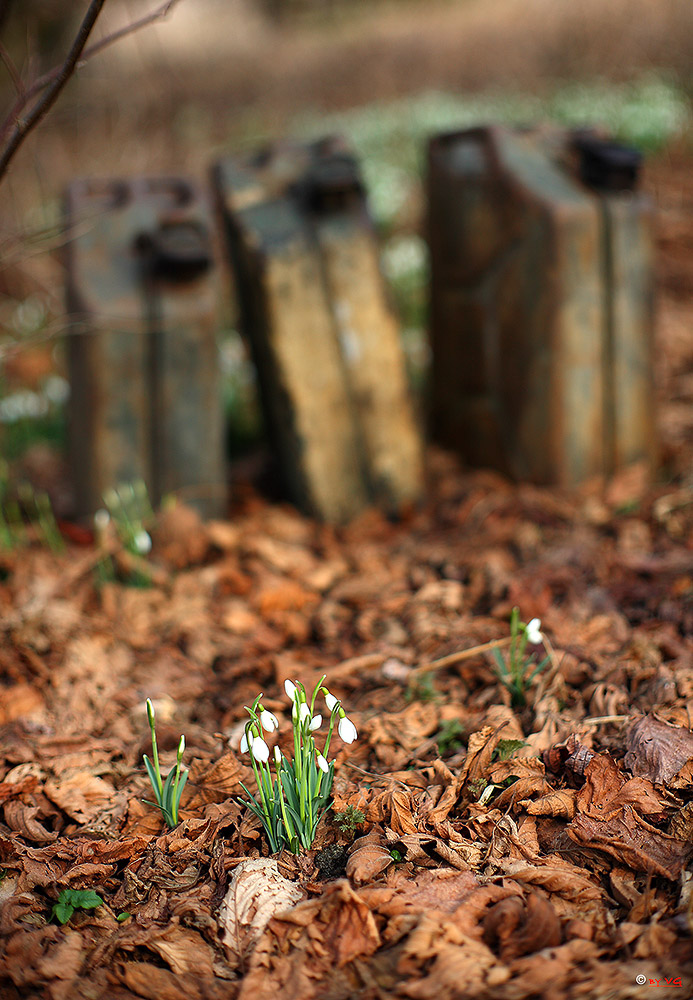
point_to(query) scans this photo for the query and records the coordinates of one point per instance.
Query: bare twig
(22, 126)
(16, 125)
(463, 654)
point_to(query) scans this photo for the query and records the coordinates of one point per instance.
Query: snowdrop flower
(347, 730)
(260, 750)
(315, 723)
(533, 631)
(331, 702)
(322, 763)
(303, 712)
(142, 542)
(277, 756)
(244, 743)
(101, 519)
(269, 720)
(290, 689)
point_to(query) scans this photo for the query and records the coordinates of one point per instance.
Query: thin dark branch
(22, 126)
(44, 81)
(16, 126)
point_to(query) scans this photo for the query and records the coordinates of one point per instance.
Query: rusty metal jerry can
(326, 345)
(541, 303)
(142, 302)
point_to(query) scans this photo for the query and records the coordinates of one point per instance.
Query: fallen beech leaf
(439, 960)
(367, 859)
(656, 749)
(81, 795)
(554, 803)
(183, 951)
(256, 893)
(519, 927)
(628, 838)
(22, 818)
(438, 889)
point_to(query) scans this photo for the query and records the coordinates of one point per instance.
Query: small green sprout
(396, 855)
(123, 916)
(70, 900)
(291, 802)
(449, 736)
(422, 689)
(349, 820)
(168, 792)
(506, 748)
(517, 672)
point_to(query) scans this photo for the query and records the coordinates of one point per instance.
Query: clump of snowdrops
(293, 794)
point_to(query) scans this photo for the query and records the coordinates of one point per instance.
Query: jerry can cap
(606, 165)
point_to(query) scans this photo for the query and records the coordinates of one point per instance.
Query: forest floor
(469, 866)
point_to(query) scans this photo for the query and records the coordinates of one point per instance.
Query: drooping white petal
(290, 689)
(331, 702)
(142, 542)
(347, 730)
(277, 756)
(260, 750)
(315, 723)
(244, 742)
(269, 721)
(322, 763)
(534, 631)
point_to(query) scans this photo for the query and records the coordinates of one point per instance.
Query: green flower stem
(287, 819)
(315, 693)
(155, 749)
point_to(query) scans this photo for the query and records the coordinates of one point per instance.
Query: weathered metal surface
(326, 346)
(541, 318)
(143, 308)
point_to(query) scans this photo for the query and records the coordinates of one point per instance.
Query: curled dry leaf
(367, 859)
(517, 926)
(22, 819)
(656, 749)
(256, 893)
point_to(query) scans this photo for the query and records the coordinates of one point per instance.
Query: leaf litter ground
(473, 850)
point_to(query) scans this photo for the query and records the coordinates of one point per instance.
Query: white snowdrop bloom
(260, 750)
(315, 723)
(181, 746)
(331, 702)
(244, 743)
(533, 631)
(142, 542)
(322, 763)
(269, 721)
(277, 756)
(347, 730)
(303, 712)
(101, 519)
(290, 689)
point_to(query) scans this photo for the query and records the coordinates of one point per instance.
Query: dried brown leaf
(367, 859)
(256, 893)
(517, 926)
(656, 749)
(81, 795)
(560, 802)
(633, 842)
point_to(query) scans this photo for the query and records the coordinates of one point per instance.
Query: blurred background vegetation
(222, 75)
